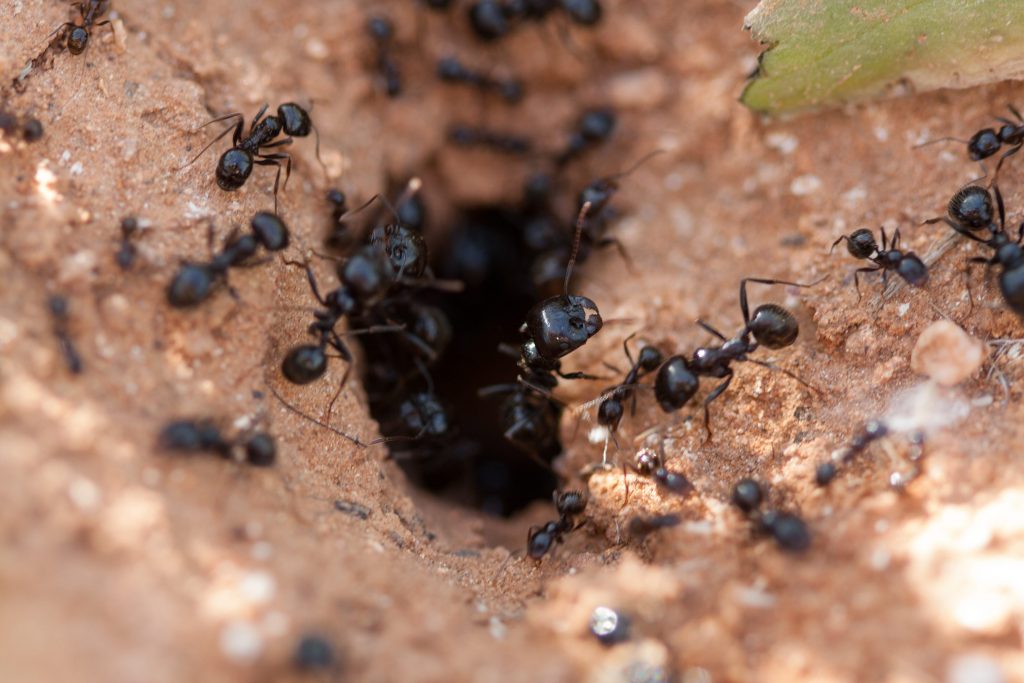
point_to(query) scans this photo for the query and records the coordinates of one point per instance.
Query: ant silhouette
(541, 539)
(592, 128)
(383, 32)
(195, 436)
(59, 312)
(29, 129)
(451, 70)
(788, 530)
(235, 165)
(504, 143)
(493, 19)
(870, 432)
(987, 141)
(194, 282)
(127, 252)
(861, 245)
(968, 211)
(78, 36)
(771, 326)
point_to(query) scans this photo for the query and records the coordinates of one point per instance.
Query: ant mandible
(235, 165)
(771, 326)
(861, 245)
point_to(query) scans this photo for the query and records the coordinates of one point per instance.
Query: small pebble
(975, 669)
(609, 626)
(241, 642)
(639, 89)
(946, 354)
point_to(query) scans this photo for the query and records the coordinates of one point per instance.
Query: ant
(861, 245)
(968, 212)
(771, 326)
(491, 19)
(505, 143)
(541, 539)
(193, 436)
(789, 531)
(640, 527)
(383, 32)
(127, 252)
(651, 464)
(339, 237)
(29, 129)
(194, 282)
(236, 164)
(987, 141)
(592, 128)
(451, 70)
(78, 37)
(59, 311)
(610, 411)
(870, 432)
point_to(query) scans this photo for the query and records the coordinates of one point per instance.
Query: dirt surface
(122, 564)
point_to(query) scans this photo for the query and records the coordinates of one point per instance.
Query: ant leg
(974, 260)
(338, 345)
(788, 373)
(312, 281)
(885, 243)
(856, 279)
(237, 127)
(844, 237)
(896, 239)
(625, 347)
(1008, 154)
(259, 115)
(577, 375)
(999, 198)
(711, 330)
(715, 393)
(743, 291)
(62, 27)
(614, 241)
(275, 160)
(496, 389)
(1020, 233)
(1015, 112)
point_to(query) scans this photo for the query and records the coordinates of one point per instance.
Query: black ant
(236, 164)
(771, 326)
(541, 539)
(505, 143)
(451, 70)
(611, 410)
(593, 127)
(968, 212)
(492, 19)
(127, 252)
(78, 37)
(194, 282)
(383, 32)
(650, 463)
(987, 141)
(59, 312)
(789, 531)
(339, 237)
(872, 431)
(861, 245)
(27, 129)
(640, 527)
(194, 436)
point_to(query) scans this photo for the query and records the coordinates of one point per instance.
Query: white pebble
(946, 354)
(974, 669)
(805, 185)
(241, 642)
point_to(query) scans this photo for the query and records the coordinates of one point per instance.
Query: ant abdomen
(270, 231)
(675, 384)
(304, 364)
(190, 286)
(773, 326)
(233, 169)
(1011, 283)
(972, 208)
(912, 269)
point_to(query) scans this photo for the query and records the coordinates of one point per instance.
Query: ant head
(583, 12)
(295, 120)
(190, 286)
(367, 274)
(450, 69)
(488, 20)
(540, 540)
(610, 412)
(338, 200)
(861, 244)
(597, 194)
(650, 358)
(380, 28)
(912, 269)
(570, 503)
(773, 326)
(983, 144)
(972, 208)
(561, 324)
(405, 248)
(304, 364)
(233, 169)
(424, 414)
(78, 39)
(747, 495)
(675, 384)
(597, 125)
(260, 450)
(270, 230)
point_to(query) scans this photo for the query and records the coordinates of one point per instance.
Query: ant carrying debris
(771, 326)
(787, 529)
(541, 539)
(195, 436)
(987, 141)
(451, 70)
(504, 143)
(59, 312)
(970, 213)
(78, 36)
(861, 245)
(194, 282)
(383, 32)
(236, 164)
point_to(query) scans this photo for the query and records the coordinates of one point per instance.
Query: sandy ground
(121, 564)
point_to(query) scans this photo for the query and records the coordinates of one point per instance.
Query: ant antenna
(411, 189)
(575, 245)
(945, 139)
(312, 419)
(632, 169)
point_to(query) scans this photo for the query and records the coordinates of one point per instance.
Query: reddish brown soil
(120, 564)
